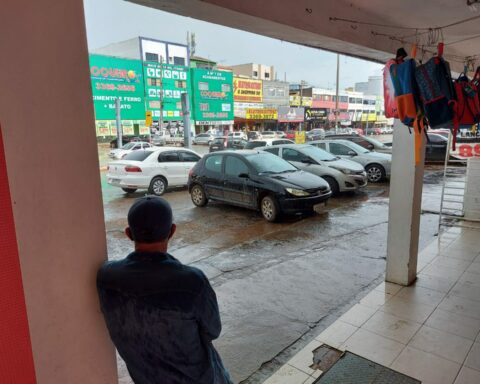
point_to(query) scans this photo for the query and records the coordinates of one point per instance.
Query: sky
(109, 21)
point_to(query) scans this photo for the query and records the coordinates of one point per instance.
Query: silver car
(377, 165)
(203, 138)
(342, 175)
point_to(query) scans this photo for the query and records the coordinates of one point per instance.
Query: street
(278, 282)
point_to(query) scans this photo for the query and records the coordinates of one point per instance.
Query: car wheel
(269, 208)
(375, 173)
(209, 142)
(158, 186)
(197, 194)
(129, 190)
(333, 185)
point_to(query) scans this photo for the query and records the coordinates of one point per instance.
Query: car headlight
(297, 192)
(344, 170)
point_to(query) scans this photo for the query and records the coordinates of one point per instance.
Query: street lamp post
(336, 93)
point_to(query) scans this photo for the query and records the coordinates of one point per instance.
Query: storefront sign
(261, 114)
(218, 122)
(212, 96)
(127, 127)
(299, 137)
(291, 114)
(173, 80)
(296, 100)
(369, 117)
(315, 114)
(103, 128)
(240, 109)
(466, 150)
(112, 77)
(247, 90)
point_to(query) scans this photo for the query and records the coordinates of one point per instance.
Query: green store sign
(111, 78)
(174, 80)
(212, 96)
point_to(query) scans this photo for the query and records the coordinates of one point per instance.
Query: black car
(220, 143)
(435, 147)
(256, 180)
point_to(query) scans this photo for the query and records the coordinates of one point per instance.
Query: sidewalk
(429, 330)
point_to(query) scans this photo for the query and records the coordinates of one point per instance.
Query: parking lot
(277, 282)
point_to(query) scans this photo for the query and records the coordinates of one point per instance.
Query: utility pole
(160, 119)
(119, 123)
(301, 101)
(336, 92)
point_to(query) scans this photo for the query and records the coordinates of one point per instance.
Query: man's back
(162, 317)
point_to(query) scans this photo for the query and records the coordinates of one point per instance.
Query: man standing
(161, 315)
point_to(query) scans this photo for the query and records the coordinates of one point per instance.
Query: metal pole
(160, 119)
(119, 123)
(336, 92)
(186, 120)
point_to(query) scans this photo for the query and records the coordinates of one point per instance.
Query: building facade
(254, 71)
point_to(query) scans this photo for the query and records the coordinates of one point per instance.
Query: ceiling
(370, 29)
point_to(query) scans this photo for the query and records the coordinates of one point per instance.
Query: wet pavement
(278, 282)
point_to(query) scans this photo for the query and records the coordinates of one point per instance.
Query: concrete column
(406, 185)
(47, 120)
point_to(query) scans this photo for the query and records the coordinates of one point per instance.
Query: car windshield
(129, 145)
(317, 154)
(357, 148)
(375, 142)
(255, 144)
(267, 163)
(138, 155)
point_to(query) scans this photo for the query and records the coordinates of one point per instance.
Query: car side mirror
(351, 153)
(370, 146)
(244, 176)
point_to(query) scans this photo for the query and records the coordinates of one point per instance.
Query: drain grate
(354, 369)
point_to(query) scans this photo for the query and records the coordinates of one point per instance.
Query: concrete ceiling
(373, 33)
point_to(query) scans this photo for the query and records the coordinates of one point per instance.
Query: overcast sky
(109, 21)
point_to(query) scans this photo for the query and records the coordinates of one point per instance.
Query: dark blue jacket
(162, 316)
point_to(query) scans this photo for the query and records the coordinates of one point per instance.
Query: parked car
(266, 143)
(256, 180)
(281, 134)
(126, 140)
(253, 135)
(436, 147)
(365, 142)
(377, 165)
(342, 175)
(203, 138)
(290, 135)
(220, 143)
(315, 134)
(120, 153)
(269, 135)
(237, 135)
(158, 139)
(154, 169)
(442, 131)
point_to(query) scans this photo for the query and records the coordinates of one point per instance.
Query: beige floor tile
(470, 278)
(473, 358)
(374, 347)
(460, 254)
(407, 310)
(389, 288)
(375, 299)
(418, 294)
(426, 367)
(336, 334)
(357, 315)
(468, 376)
(451, 262)
(391, 326)
(461, 306)
(434, 282)
(304, 359)
(287, 375)
(442, 344)
(442, 271)
(454, 323)
(468, 291)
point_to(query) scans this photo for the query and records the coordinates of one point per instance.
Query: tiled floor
(430, 330)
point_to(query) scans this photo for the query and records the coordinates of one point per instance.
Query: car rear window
(138, 155)
(255, 144)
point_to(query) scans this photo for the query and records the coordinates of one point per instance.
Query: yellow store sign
(247, 90)
(261, 114)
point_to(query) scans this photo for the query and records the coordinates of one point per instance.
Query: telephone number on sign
(113, 87)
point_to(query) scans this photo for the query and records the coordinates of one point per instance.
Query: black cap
(150, 219)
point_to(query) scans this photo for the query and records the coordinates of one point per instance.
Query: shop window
(203, 86)
(151, 56)
(255, 74)
(267, 75)
(178, 60)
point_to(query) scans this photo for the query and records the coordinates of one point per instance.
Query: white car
(269, 134)
(377, 165)
(203, 138)
(237, 136)
(153, 169)
(342, 175)
(120, 153)
(267, 143)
